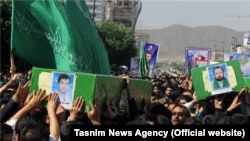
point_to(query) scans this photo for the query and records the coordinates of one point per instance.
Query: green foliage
(179, 67)
(119, 42)
(5, 22)
(5, 6)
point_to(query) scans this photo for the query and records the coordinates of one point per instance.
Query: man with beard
(179, 114)
(149, 56)
(220, 81)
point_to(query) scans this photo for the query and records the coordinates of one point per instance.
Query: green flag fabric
(144, 68)
(57, 34)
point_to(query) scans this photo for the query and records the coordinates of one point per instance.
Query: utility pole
(94, 11)
(215, 52)
(233, 48)
(223, 47)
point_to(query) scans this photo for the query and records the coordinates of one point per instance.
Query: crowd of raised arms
(172, 102)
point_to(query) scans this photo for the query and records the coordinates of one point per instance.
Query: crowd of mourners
(172, 102)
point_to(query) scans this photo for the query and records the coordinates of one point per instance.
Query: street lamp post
(233, 45)
(223, 46)
(215, 52)
(94, 10)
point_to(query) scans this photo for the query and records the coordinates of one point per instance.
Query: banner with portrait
(151, 55)
(244, 60)
(217, 79)
(134, 67)
(196, 57)
(246, 40)
(63, 84)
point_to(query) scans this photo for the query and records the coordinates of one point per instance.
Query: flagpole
(94, 11)
(12, 65)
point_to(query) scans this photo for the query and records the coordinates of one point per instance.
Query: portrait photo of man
(63, 84)
(192, 61)
(148, 56)
(134, 66)
(218, 79)
(196, 57)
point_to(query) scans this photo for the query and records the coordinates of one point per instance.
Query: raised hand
(37, 98)
(110, 110)
(52, 101)
(51, 108)
(23, 91)
(76, 111)
(94, 113)
(218, 101)
(237, 99)
(61, 114)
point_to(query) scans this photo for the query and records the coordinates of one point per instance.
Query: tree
(5, 20)
(179, 67)
(119, 43)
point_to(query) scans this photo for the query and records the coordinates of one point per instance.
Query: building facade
(97, 9)
(120, 11)
(124, 11)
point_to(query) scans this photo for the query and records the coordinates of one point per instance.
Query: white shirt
(65, 100)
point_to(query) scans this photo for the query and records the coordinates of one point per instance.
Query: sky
(157, 14)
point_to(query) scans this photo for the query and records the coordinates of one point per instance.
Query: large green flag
(144, 68)
(57, 34)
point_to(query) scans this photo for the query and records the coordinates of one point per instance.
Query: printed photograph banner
(196, 57)
(63, 84)
(228, 76)
(244, 60)
(88, 86)
(151, 54)
(134, 66)
(246, 40)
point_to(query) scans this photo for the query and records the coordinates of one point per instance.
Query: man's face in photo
(64, 85)
(218, 74)
(148, 57)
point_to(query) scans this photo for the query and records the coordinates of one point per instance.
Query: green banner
(204, 79)
(90, 86)
(57, 34)
(143, 65)
(247, 82)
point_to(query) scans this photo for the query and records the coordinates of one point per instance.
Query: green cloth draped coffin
(91, 86)
(57, 34)
(203, 79)
(247, 82)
